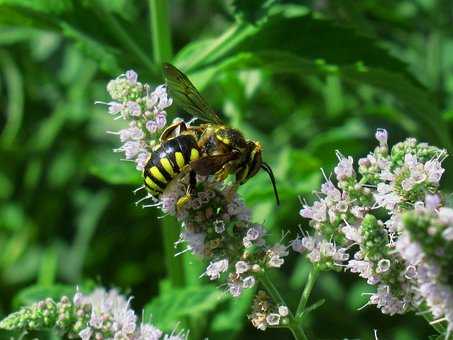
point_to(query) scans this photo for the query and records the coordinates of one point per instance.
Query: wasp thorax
(230, 137)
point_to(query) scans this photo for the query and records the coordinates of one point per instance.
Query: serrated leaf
(33, 294)
(412, 96)
(167, 309)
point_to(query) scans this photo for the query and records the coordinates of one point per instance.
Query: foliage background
(305, 78)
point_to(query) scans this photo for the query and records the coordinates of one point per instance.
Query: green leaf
(412, 96)
(13, 35)
(15, 107)
(168, 309)
(45, 6)
(36, 293)
(105, 56)
(319, 47)
(229, 322)
(252, 10)
(107, 166)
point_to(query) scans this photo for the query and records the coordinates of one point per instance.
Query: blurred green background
(303, 77)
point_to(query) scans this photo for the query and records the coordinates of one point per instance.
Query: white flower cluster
(145, 111)
(265, 313)
(112, 318)
(215, 222)
(361, 224)
(427, 247)
(217, 227)
(96, 316)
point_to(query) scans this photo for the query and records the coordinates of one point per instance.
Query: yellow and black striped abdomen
(169, 160)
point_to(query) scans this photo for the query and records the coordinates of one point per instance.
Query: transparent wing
(187, 96)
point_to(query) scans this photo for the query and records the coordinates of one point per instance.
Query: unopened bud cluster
(385, 222)
(99, 315)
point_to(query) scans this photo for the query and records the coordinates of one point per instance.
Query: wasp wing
(209, 165)
(187, 96)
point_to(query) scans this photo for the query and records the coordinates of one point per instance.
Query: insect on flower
(212, 148)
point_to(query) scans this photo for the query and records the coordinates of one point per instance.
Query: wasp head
(252, 164)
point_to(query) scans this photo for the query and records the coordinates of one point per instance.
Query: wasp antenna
(268, 169)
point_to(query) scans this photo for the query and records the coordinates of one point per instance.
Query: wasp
(211, 148)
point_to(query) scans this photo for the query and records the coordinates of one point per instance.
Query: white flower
(133, 108)
(434, 170)
(148, 332)
(248, 282)
(115, 107)
(317, 212)
(344, 169)
(352, 233)
(273, 319)
(109, 309)
(381, 136)
(85, 334)
(446, 215)
(151, 126)
(365, 270)
(383, 265)
(131, 77)
(216, 268)
(447, 234)
(388, 303)
(386, 197)
(141, 160)
(241, 267)
(234, 288)
(219, 226)
(283, 311)
(432, 202)
(195, 241)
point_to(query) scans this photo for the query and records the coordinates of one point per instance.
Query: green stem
(161, 41)
(160, 31)
(294, 324)
(312, 276)
(128, 43)
(439, 327)
(174, 264)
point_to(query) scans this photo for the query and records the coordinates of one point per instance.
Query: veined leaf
(408, 92)
(166, 310)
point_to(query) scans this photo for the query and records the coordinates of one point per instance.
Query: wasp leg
(190, 190)
(229, 195)
(223, 173)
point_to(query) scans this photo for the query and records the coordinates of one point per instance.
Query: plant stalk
(128, 43)
(293, 325)
(162, 51)
(160, 31)
(311, 280)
